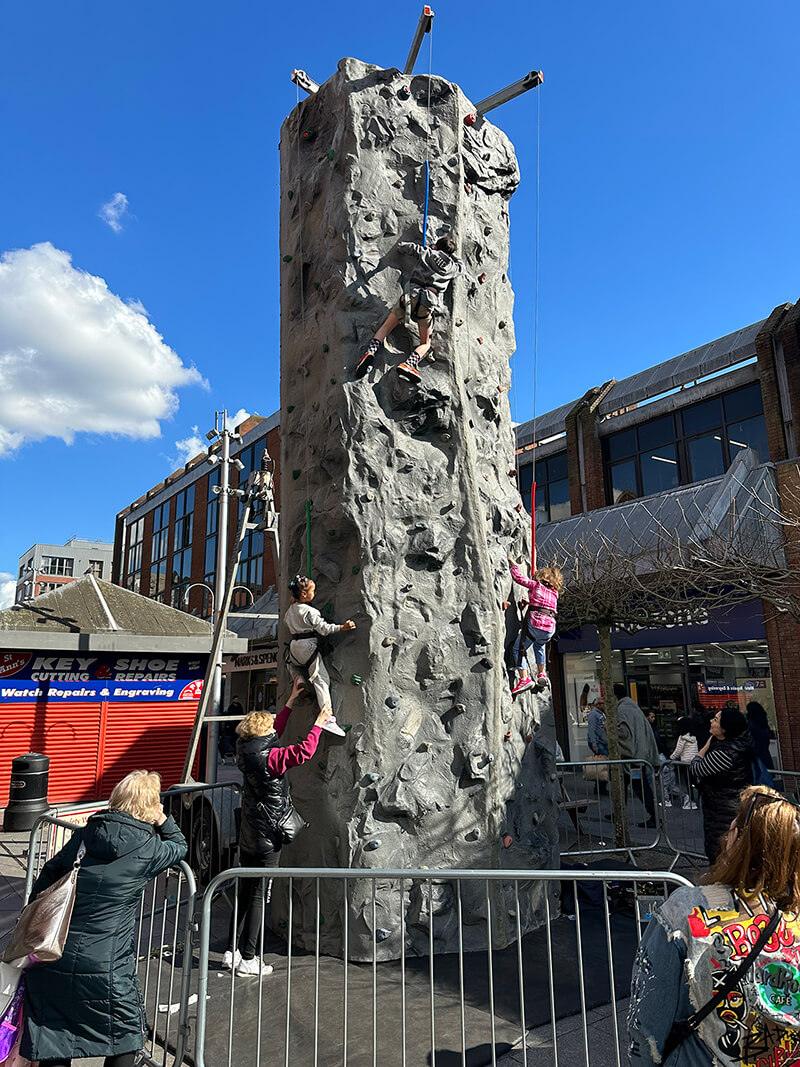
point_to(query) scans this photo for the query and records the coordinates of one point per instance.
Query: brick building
(681, 423)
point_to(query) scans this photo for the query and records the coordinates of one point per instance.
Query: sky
(139, 210)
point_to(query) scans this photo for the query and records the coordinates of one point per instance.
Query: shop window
(552, 488)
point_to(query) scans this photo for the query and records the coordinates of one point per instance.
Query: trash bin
(27, 793)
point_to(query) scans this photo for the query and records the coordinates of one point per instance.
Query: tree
(671, 560)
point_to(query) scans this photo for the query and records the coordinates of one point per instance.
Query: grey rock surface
(414, 509)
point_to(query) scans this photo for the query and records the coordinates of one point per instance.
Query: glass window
(750, 433)
(57, 565)
(557, 467)
(552, 488)
(211, 557)
(659, 470)
(581, 689)
(623, 482)
(704, 416)
(622, 444)
(656, 432)
(705, 457)
(542, 515)
(525, 483)
(559, 500)
(96, 567)
(743, 403)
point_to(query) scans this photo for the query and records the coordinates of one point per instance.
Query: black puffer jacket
(721, 775)
(88, 1003)
(264, 795)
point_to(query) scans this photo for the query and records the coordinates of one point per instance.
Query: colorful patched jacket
(695, 938)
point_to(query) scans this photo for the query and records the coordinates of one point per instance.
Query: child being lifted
(423, 294)
(306, 625)
(539, 623)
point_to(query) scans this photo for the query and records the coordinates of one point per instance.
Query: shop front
(672, 671)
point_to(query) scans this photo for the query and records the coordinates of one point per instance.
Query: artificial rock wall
(414, 509)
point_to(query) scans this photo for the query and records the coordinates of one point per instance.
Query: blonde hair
(765, 855)
(138, 795)
(551, 577)
(256, 724)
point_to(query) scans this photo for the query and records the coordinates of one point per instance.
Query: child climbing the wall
(539, 623)
(306, 625)
(423, 294)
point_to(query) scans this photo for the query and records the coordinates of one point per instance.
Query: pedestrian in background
(89, 1002)
(596, 736)
(722, 769)
(762, 735)
(684, 752)
(637, 742)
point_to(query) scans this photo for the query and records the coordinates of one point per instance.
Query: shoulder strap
(681, 1030)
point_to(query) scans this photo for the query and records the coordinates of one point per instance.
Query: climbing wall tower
(410, 497)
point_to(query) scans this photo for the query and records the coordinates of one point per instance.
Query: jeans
(644, 791)
(250, 896)
(531, 635)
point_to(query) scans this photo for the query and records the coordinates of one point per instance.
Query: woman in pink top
(540, 621)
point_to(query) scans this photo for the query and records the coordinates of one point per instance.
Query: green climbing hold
(347, 727)
(328, 609)
(296, 474)
(290, 409)
(355, 679)
(309, 135)
(333, 381)
(290, 194)
(288, 259)
(330, 153)
(326, 348)
(331, 533)
(282, 923)
(323, 766)
(316, 286)
(356, 570)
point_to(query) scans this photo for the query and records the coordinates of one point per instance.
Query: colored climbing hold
(316, 286)
(470, 119)
(290, 194)
(288, 259)
(290, 409)
(296, 474)
(331, 533)
(507, 735)
(482, 277)
(518, 507)
(282, 923)
(333, 381)
(513, 472)
(326, 348)
(330, 153)
(346, 726)
(328, 609)
(528, 738)
(356, 570)
(308, 135)
(480, 340)
(508, 840)
(355, 679)
(323, 766)
(372, 845)
(404, 92)
(467, 187)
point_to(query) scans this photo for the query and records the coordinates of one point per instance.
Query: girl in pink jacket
(540, 621)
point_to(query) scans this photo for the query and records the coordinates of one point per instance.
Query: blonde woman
(88, 1003)
(717, 975)
(263, 762)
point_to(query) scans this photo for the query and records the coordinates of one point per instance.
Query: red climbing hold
(508, 841)
(480, 340)
(404, 92)
(470, 119)
(507, 736)
(482, 277)
(309, 135)
(467, 187)
(528, 738)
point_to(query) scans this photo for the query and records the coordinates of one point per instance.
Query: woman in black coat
(722, 769)
(88, 1003)
(762, 735)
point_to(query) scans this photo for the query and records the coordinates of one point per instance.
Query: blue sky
(668, 208)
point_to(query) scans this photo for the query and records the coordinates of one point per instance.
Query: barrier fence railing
(491, 993)
(586, 821)
(681, 814)
(163, 943)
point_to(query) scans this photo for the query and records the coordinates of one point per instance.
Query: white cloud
(75, 357)
(8, 589)
(114, 211)
(239, 417)
(189, 447)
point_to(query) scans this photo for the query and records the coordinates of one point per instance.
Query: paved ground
(571, 1041)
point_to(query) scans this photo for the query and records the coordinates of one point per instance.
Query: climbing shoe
(372, 350)
(408, 371)
(333, 727)
(521, 686)
(541, 678)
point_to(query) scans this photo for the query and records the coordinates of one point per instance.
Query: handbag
(43, 925)
(10, 976)
(597, 769)
(681, 1030)
(289, 823)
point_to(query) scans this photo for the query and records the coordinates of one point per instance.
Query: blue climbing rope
(425, 213)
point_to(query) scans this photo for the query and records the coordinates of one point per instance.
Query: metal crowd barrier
(425, 1008)
(164, 940)
(586, 821)
(681, 814)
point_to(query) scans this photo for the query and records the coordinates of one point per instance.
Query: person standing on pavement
(263, 762)
(722, 769)
(684, 752)
(637, 742)
(227, 730)
(596, 736)
(762, 735)
(89, 1003)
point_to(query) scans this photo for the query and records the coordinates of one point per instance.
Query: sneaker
(689, 805)
(372, 350)
(333, 727)
(231, 959)
(521, 686)
(408, 371)
(667, 803)
(253, 968)
(541, 677)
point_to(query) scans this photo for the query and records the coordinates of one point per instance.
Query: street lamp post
(209, 590)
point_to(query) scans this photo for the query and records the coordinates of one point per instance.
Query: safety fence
(680, 813)
(423, 967)
(586, 821)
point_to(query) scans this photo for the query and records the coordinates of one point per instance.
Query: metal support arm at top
(530, 81)
(301, 79)
(423, 26)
